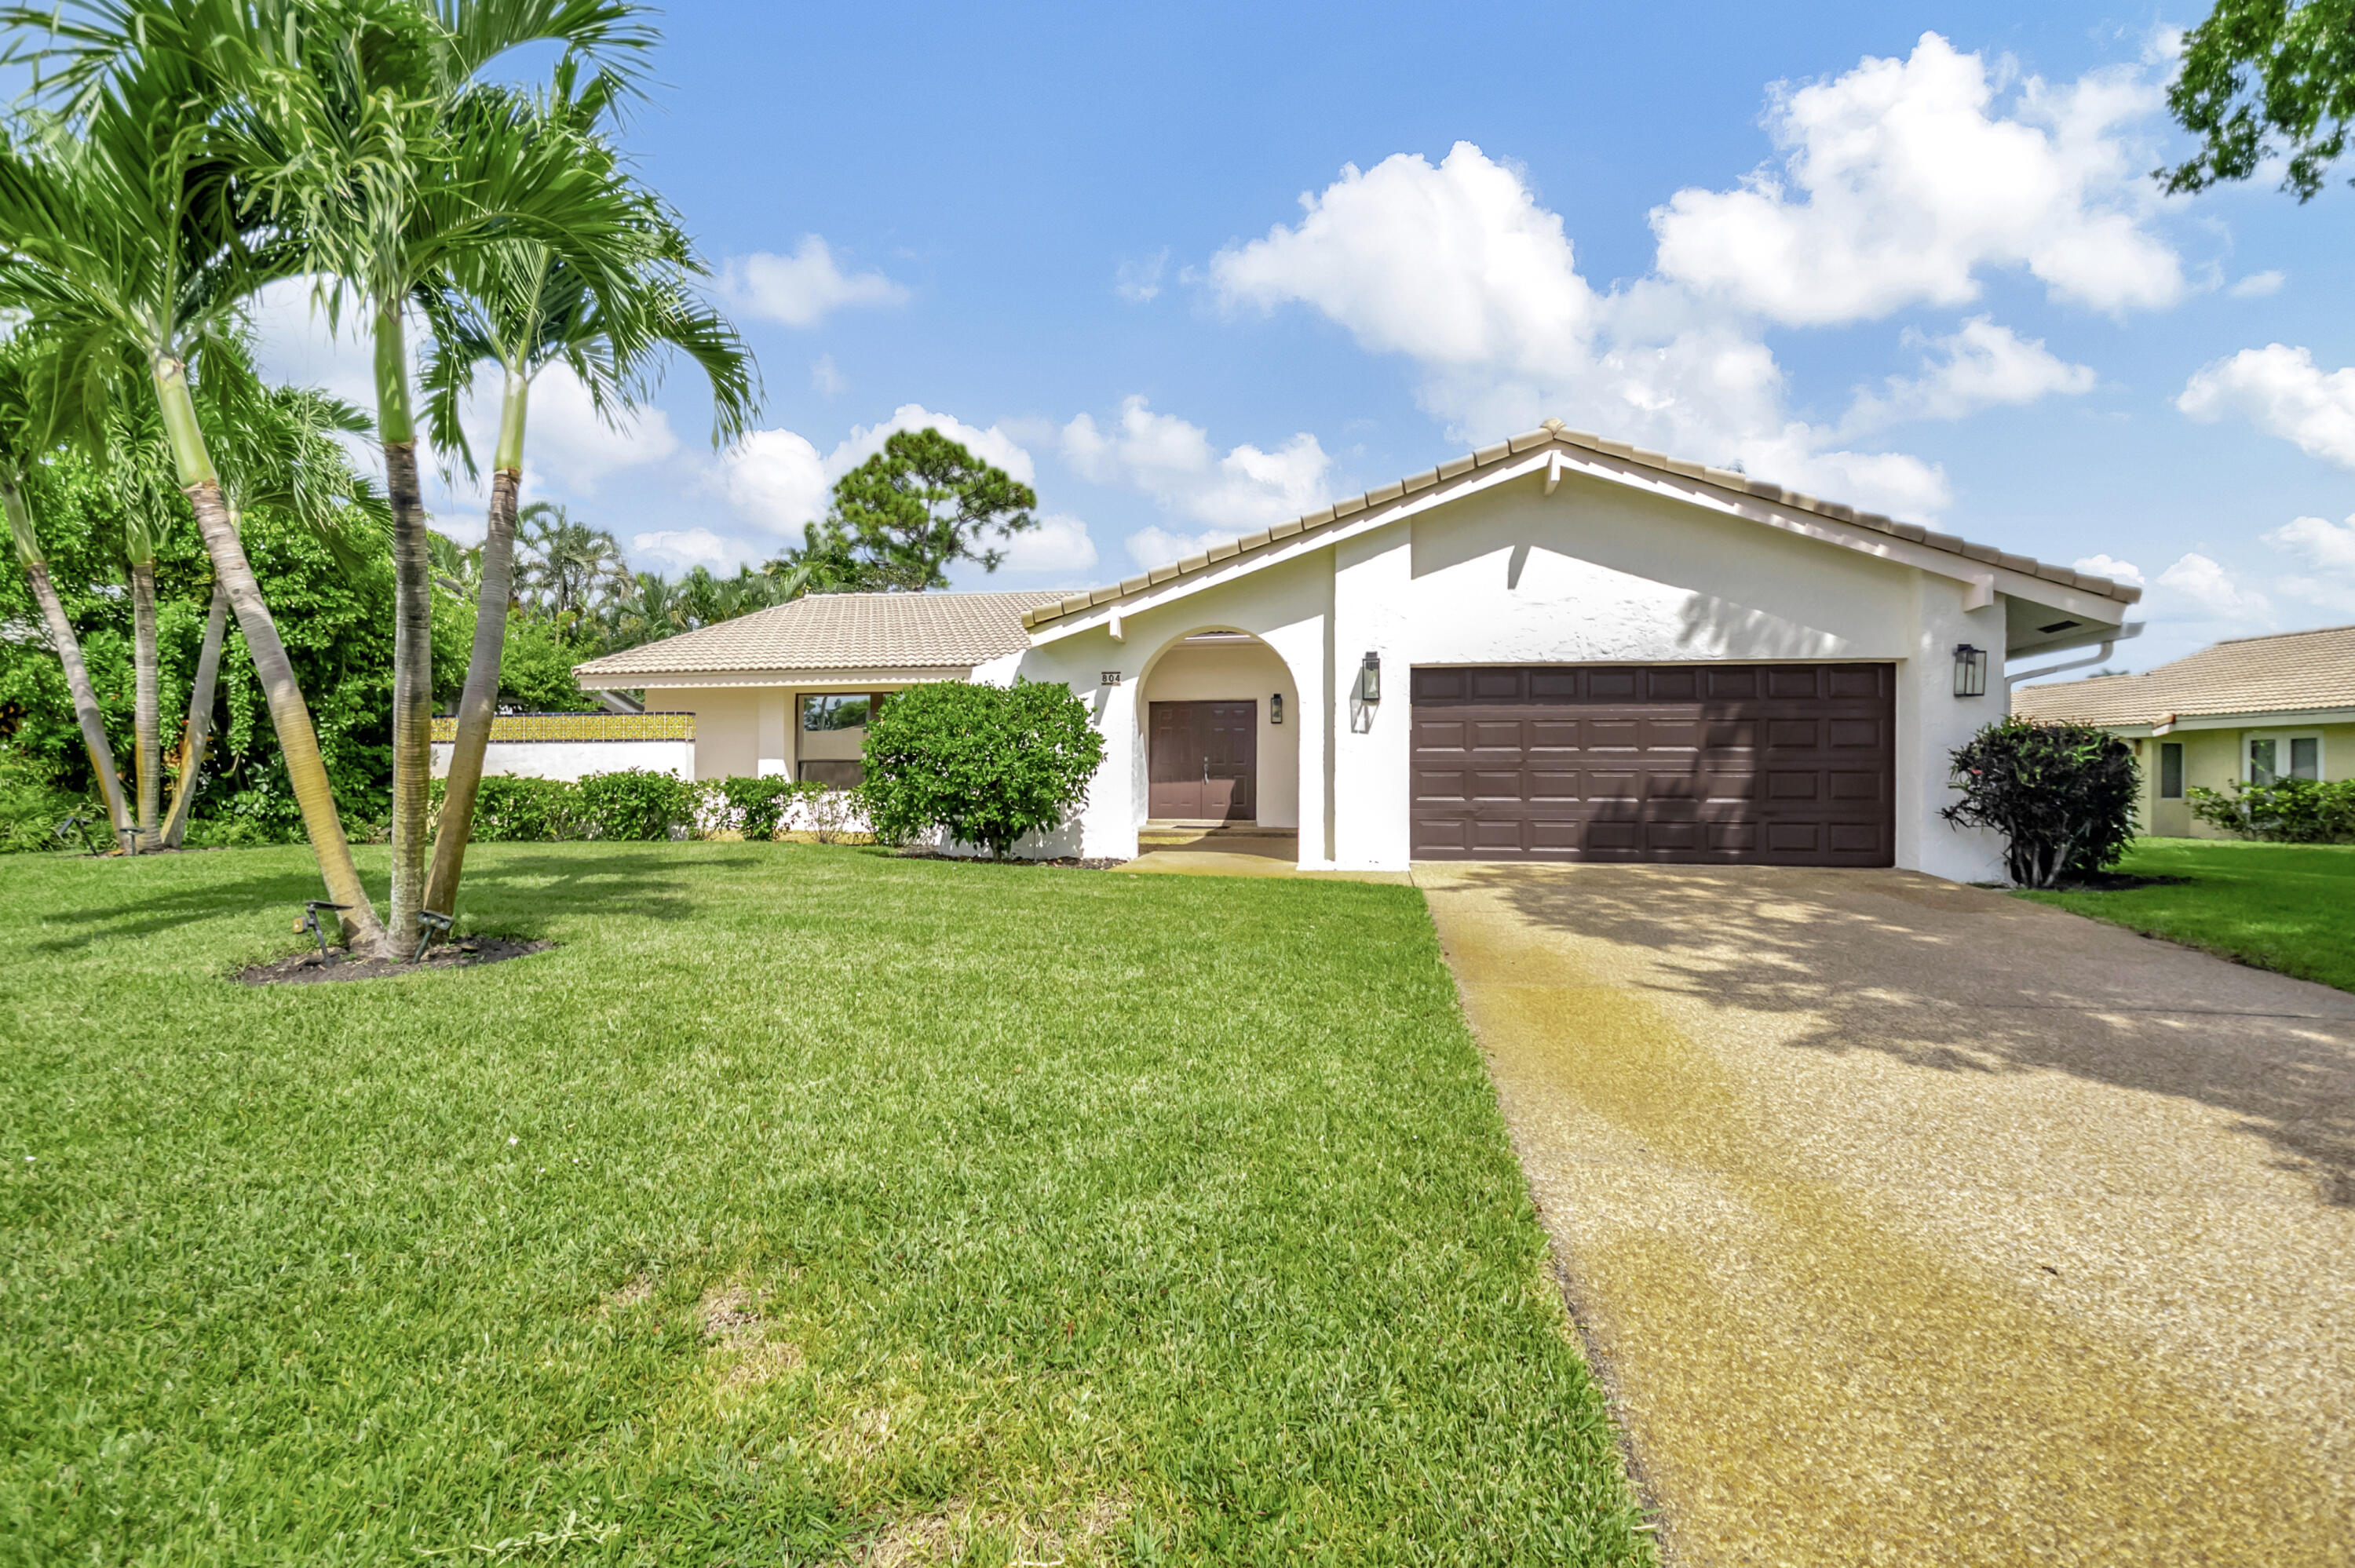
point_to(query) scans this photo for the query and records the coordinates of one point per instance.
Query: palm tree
(139, 464)
(278, 447)
(130, 233)
(526, 308)
(395, 161)
(27, 425)
(567, 567)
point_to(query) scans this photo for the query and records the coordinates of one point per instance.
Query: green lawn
(807, 1204)
(2279, 907)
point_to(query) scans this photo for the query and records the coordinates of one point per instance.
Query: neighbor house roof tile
(1554, 431)
(2294, 672)
(838, 632)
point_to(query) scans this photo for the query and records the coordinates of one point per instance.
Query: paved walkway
(1913, 1224)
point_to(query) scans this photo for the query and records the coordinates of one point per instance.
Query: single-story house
(2254, 709)
(1558, 647)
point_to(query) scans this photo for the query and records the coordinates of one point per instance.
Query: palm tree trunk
(198, 729)
(478, 706)
(412, 633)
(298, 741)
(68, 647)
(147, 718)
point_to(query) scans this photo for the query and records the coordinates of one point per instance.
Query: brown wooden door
(1779, 764)
(1203, 762)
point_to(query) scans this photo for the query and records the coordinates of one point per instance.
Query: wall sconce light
(1369, 679)
(1970, 671)
(1109, 678)
(1275, 708)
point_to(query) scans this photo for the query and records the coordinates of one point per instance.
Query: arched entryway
(1220, 717)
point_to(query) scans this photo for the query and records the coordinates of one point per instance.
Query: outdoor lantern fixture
(1369, 679)
(1275, 708)
(1970, 671)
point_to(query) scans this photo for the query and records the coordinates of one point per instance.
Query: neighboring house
(2254, 709)
(1555, 648)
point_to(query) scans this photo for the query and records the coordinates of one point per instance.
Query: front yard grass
(2289, 907)
(807, 1204)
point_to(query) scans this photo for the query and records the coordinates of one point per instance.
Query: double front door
(1204, 762)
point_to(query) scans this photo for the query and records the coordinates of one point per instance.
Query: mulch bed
(305, 968)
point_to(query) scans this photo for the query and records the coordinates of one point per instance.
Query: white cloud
(2257, 285)
(1159, 547)
(1902, 180)
(1460, 269)
(992, 445)
(774, 479)
(778, 481)
(827, 381)
(567, 447)
(2198, 588)
(2325, 552)
(800, 290)
(1139, 281)
(2110, 567)
(1060, 543)
(1174, 462)
(2284, 393)
(683, 549)
(1985, 367)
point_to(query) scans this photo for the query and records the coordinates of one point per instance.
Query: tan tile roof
(2290, 673)
(836, 631)
(1554, 431)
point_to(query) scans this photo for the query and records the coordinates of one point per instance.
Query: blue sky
(1192, 271)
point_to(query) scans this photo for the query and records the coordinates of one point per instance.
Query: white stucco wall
(575, 759)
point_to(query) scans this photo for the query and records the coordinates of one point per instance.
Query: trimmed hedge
(633, 803)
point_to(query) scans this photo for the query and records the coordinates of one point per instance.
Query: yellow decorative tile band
(579, 726)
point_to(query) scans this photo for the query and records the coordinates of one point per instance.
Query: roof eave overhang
(2257, 718)
(1983, 579)
(811, 677)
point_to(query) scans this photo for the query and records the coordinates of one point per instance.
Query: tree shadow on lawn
(1963, 980)
(641, 884)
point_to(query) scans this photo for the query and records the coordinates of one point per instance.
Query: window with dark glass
(2306, 756)
(2170, 771)
(2265, 764)
(835, 711)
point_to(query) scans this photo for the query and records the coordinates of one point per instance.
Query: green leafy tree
(901, 519)
(2261, 78)
(566, 570)
(986, 764)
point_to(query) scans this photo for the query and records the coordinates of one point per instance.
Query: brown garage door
(1779, 764)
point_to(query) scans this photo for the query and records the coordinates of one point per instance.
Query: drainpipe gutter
(2096, 657)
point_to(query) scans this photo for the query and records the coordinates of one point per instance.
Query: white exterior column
(1303, 647)
(774, 752)
(1932, 722)
(1372, 581)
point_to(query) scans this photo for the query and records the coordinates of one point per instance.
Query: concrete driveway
(1913, 1223)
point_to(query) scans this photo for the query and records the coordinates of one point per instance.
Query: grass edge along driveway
(805, 1204)
(2286, 908)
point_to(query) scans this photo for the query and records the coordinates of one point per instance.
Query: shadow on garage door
(1705, 764)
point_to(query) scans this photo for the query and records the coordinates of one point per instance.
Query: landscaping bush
(987, 763)
(31, 809)
(636, 803)
(2286, 811)
(756, 808)
(526, 810)
(2062, 795)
